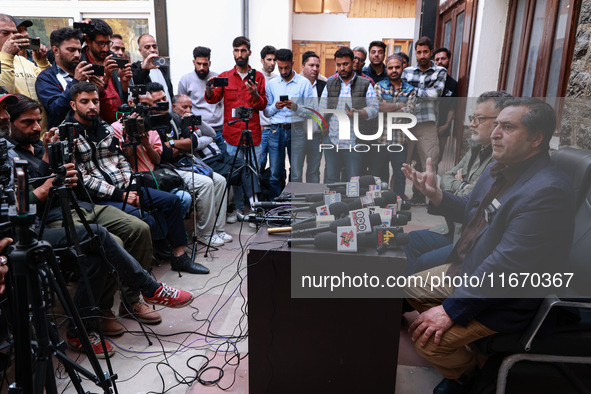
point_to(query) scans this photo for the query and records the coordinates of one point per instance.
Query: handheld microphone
(250, 218)
(274, 204)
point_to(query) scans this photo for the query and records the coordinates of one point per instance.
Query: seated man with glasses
(113, 84)
(429, 248)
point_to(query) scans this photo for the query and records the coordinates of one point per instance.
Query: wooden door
(324, 49)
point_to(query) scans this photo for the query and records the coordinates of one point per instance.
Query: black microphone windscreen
(389, 198)
(365, 181)
(314, 197)
(326, 241)
(338, 209)
(355, 204)
(303, 225)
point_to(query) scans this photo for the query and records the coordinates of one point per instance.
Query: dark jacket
(531, 232)
(54, 98)
(142, 77)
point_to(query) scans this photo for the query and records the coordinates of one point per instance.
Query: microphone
(382, 239)
(273, 204)
(250, 218)
(374, 220)
(337, 209)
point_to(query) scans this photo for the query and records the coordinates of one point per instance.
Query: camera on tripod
(191, 121)
(151, 121)
(242, 112)
(67, 134)
(58, 152)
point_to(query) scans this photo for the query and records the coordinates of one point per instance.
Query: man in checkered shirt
(429, 80)
(394, 95)
(348, 93)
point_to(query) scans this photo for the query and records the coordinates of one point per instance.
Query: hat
(10, 98)
(25, 22)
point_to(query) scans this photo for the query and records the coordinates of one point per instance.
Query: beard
(241, 62)
(90, 116)
(202, 74)
(346, 74)
(4, 129)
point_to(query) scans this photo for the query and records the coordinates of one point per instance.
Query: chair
(561, 330)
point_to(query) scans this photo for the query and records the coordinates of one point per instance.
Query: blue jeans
(349, 162)
(186, 199)
(220, 141)
(246, 188)
(426, 249)
(302, 150)
(396, 161)
(264, 148)
(278, 140)
(168, 207)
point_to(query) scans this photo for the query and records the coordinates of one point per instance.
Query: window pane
(534, 49)
(557, 49)
(337, 6)
(447, 34)
(457, 50)
(308, 6)
(130, 30)
(42, 27)
(515, 44)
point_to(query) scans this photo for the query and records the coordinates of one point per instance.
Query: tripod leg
(217, 216)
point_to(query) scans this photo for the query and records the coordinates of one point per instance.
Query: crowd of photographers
(124, 142)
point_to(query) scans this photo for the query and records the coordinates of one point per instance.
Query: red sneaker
(170, 297)
(95, 342)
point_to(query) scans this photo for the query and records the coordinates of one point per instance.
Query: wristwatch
(171, 142)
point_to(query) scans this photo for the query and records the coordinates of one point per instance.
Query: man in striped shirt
(429, 80)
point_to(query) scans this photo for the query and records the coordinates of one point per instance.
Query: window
(322, 6)
(42, 27)
(535, 61)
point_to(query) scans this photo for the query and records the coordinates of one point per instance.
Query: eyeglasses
(359, 59)
(477, 119)
(102, 43)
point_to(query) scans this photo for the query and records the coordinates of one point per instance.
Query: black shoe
(162, 250)
(453, 386)
(184, 263)
(418, 200)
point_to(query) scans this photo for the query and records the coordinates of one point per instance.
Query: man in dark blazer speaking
(519, 218)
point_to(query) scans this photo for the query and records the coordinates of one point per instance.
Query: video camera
(150, 121)
(242, 112)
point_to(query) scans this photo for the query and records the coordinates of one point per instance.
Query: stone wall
(575, 128)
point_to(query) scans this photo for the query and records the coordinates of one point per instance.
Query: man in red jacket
(240, 92)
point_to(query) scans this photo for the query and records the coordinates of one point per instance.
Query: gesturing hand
(425, 182)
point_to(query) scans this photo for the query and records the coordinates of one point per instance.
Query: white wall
(214, 24)
(488, 46)
(359, 31)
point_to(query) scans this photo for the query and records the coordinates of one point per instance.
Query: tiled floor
(211, 336)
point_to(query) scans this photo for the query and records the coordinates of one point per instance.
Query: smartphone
(252, 73)
(347, 107)
(283, 98)
(34, 44)
(98, 70)
(161, 61)
(84, 27)
(121, 61)
(220, 82)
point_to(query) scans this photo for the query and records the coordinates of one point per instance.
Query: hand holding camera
(4, 242)
(15, 43)
(148, 63)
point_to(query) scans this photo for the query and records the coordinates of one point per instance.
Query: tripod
(250, 157)
(34, 275)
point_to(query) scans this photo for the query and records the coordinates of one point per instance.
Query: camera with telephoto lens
(150, 121)
(242, 112)
(87, 28)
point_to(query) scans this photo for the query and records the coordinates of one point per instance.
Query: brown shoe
(110, 326)
(142, 312)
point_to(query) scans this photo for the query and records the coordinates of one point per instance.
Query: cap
(10, 98)
(25, 22)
